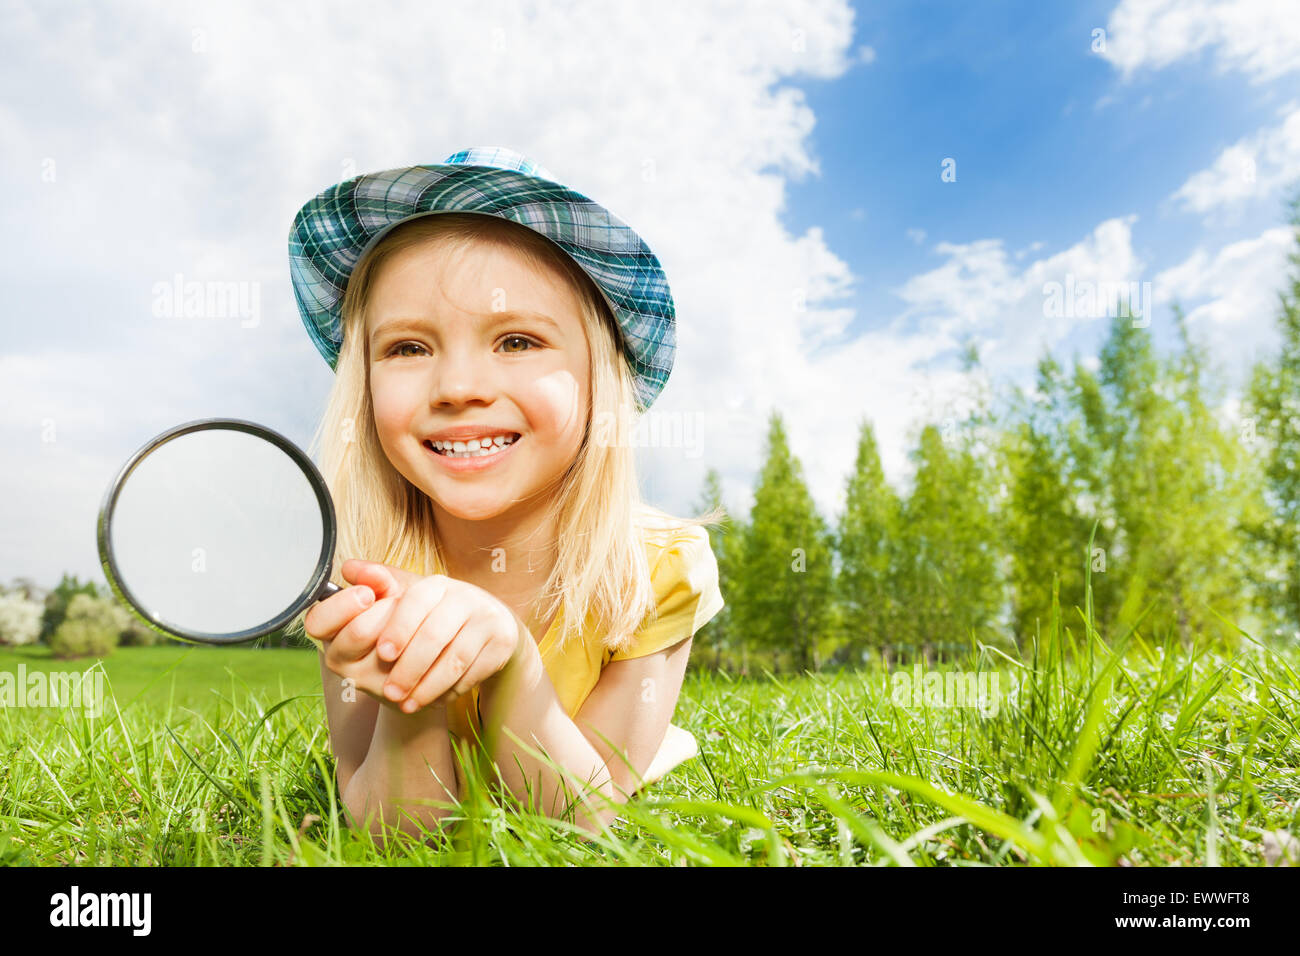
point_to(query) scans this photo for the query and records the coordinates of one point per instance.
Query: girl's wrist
(521, 671)
(436, 710)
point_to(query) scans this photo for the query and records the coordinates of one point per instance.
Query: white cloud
(980, 291)
(902, 373)
(1261, 38)
(1230, 295)
(1252, 168)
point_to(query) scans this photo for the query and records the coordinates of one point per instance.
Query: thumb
(384, 580)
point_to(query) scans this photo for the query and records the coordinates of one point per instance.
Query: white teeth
(475, 447)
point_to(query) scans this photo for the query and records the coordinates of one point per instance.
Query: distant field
(1162, 757)
(192, 674)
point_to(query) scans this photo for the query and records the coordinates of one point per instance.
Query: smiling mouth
(486, 451)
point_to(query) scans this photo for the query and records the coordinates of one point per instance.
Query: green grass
(1159, 756)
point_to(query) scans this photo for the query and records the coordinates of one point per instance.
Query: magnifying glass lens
(217, 531)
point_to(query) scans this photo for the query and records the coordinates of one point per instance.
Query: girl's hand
(445, 635)
(347, 624)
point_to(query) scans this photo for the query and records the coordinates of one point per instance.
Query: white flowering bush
(92, 627)
(20, 619)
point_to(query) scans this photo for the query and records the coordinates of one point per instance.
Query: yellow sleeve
(685, 580)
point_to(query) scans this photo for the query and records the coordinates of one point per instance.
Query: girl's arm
(627, 713)
(408, 776)
(351, 719)
(521, 713)
(630, 707)
(391, 765)
(380, 756)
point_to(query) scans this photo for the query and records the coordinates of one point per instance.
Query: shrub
(58, 600)
(138, 634)
(91, 627)
(20, 619)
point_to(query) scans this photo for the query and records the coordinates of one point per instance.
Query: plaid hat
(333, 231)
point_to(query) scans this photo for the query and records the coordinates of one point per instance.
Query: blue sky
(997, 90)
(782, 158)
(1049, 138)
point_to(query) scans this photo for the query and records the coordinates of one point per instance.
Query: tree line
(1117, 474)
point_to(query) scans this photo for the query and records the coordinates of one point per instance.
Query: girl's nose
(463, 376)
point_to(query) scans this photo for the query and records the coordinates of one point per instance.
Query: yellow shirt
(684, 575)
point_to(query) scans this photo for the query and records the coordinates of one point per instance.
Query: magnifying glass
(218, 531)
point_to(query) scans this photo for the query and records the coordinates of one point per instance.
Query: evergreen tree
(949, 579)
(1209, 495)
(1273, 416)
(867, 543)
(1046, 536)
(1168, 481)
(787, 573)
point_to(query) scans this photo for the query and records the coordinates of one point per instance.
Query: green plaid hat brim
(333, 231)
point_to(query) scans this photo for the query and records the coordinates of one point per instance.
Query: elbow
(373, 813)
(603, 806)
(361, 811)
(343, 774)
(622, 784)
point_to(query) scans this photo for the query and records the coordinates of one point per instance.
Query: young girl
(493, 332)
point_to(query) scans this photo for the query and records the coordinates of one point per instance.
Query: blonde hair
(601, 574)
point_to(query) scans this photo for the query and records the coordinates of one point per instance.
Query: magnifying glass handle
(327, 589)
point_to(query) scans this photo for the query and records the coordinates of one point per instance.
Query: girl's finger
(378, 577)
(455, 664)
(418, 601)
(325, 618)
(368, 675)
(357, 638)
(491, 659)
(363, 675)
(438, 630)
(386, 581)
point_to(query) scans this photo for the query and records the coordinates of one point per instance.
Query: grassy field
(1076, 755)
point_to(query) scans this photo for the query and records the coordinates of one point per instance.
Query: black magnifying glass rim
(323, 564)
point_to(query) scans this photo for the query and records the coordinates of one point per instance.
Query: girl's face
(487, 345)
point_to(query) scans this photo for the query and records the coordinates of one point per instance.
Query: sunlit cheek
(394, 404)
(557, 405)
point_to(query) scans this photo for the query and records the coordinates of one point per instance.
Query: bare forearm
(409, 771)
(525, 722)
(351, 719)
